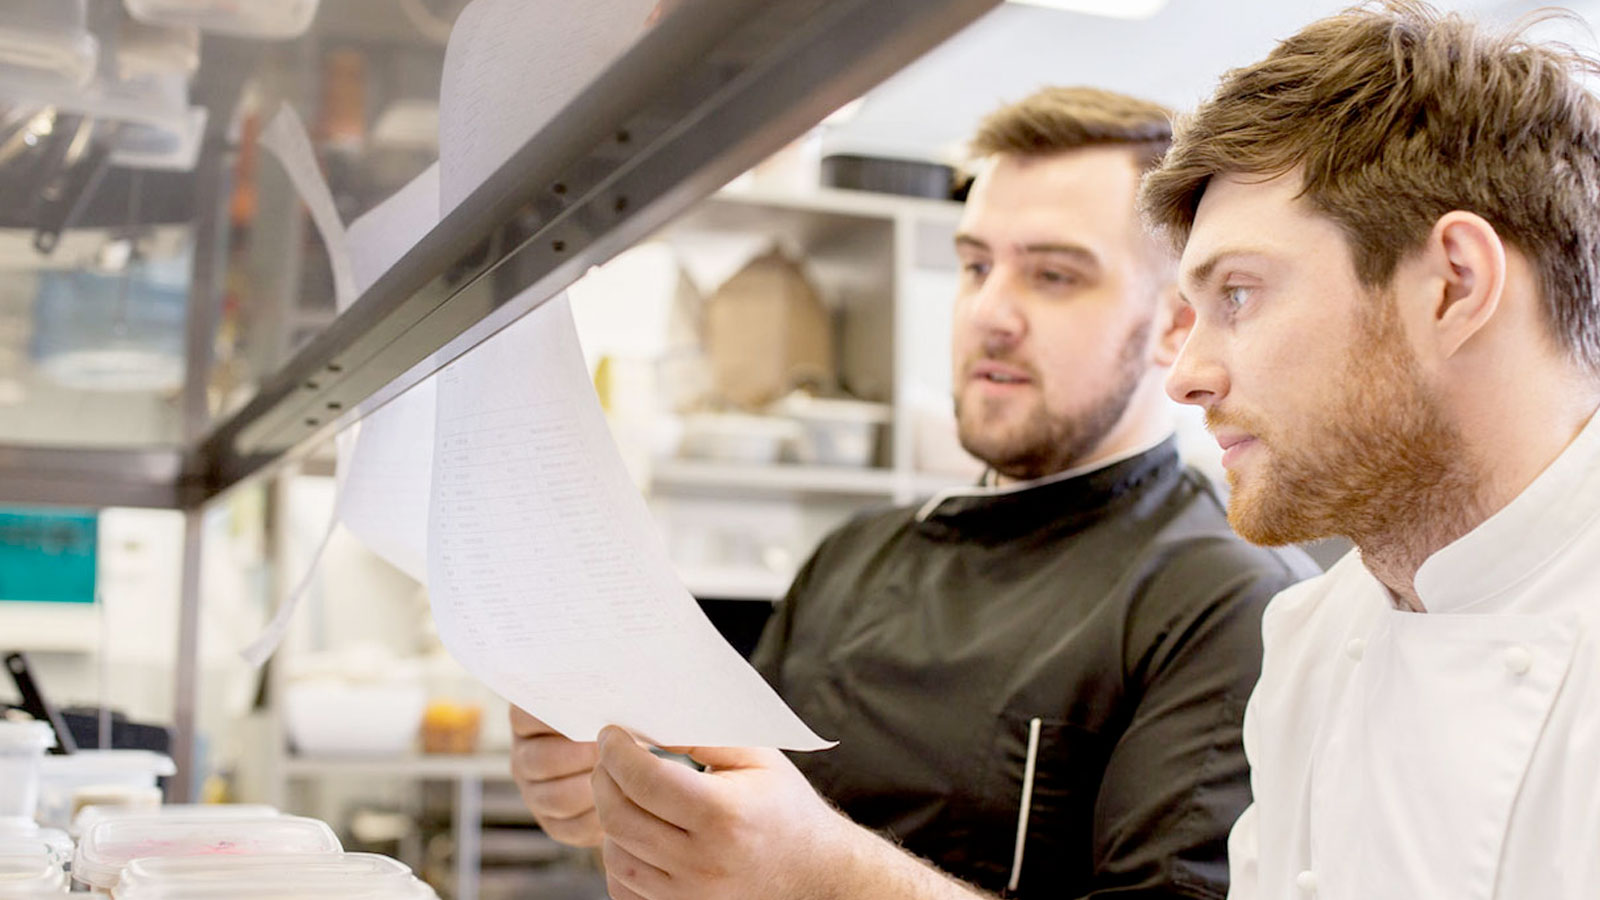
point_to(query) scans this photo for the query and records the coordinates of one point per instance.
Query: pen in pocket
(1027, 802)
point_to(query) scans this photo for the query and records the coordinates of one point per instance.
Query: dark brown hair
(1397, 114)
(1057, 119)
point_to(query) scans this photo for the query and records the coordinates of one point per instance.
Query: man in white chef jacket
(1391, 248)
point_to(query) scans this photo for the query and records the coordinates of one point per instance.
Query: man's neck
(1504, 455)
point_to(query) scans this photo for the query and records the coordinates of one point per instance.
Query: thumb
(722, 758)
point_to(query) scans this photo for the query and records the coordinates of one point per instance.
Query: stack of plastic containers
(29, 869)
(99, 778)
(90, 816)
(108, 846)
(344, 875)
(22, 747)
(203, 854)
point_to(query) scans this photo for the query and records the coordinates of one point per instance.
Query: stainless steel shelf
(715, 88)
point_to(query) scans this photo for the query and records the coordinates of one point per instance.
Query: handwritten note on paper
(548, 579)
(510, 66)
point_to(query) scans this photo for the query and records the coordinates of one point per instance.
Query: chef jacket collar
(1522, 537)
(1085, 491)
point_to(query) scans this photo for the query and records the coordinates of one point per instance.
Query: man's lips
(994, 372)
(1234, 444)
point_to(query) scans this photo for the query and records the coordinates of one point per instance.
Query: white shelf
(490, 766)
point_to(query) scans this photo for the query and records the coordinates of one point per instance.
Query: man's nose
(994, 307)
(1198, 376)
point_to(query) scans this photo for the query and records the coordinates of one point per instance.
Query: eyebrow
(1079, 253)
(1201, 274)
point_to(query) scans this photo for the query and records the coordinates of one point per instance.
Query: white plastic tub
(835, 432)
(90, 816)
(48, 41)
(737, 437)
(278, 19)
(125, 777)
(290, 874)
(22, 747)
(109, 846)
(29, 868)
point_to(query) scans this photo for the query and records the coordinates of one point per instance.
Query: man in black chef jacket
(1037, 684)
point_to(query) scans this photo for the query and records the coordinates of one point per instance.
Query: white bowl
(344, 718)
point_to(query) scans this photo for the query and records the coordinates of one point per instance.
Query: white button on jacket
(1453, 754)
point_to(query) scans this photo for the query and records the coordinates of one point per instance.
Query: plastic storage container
(835, 432)
(89, 816)
(22, 747)
(360, 702)
(107, 847)
(337, 874)
(68, 783)
(737, 437)
(46, 41)
(29, 869)
(249, 18)
(29, 835)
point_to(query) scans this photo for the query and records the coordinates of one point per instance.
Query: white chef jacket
(1453, 754)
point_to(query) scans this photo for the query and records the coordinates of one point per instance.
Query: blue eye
(1235, 297)
(976, 269)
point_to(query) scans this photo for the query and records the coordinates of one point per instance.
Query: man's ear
(1464, 271)
(1174, 319)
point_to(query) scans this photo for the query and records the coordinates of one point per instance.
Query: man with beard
(1390, 243)
(1036, 684)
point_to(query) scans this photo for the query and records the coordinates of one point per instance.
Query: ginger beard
(1381, 462)
(1044, 443)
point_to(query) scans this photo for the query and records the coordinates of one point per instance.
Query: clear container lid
(107, 766)
(46, 40)
(355, 889)
(27, 867)
(88, 816)
(268, 869)
(108, 846)
(27, 834)
(248, 18)
(25, 737)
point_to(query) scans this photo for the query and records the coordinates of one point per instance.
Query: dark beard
(1044, 445)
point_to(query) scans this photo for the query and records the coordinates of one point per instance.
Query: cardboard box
(767, 333)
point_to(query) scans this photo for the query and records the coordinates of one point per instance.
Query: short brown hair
(1057, 119)
(1397, 115)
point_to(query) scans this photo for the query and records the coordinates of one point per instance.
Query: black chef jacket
(1115, 606)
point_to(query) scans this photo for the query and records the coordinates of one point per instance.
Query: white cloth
(1453, 754)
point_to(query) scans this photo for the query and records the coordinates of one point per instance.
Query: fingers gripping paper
(548, 579)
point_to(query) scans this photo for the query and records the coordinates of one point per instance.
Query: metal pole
(186, 699)
(469, 834)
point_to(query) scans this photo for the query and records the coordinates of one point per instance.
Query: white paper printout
(548, 579)
(510, 66)
(285, 137)
(384, 463)
(384, 499)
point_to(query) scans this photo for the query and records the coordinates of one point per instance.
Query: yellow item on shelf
(450, 727)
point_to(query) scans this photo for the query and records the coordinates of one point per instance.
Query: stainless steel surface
(469, 835)
(95, 478)
(709, 92)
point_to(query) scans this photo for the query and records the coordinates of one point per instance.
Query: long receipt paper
(547, 577)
